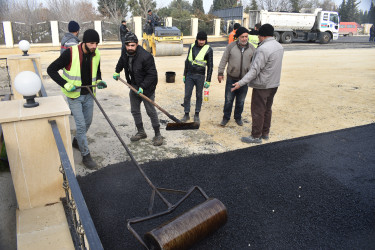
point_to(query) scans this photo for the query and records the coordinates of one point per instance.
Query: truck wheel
(287, 37)
(276, 35)
(324, 38)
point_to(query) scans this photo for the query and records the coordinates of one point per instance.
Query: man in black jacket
(199, 57)
(123, 30)
(140, 72)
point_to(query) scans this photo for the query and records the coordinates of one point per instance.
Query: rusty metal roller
(188, 228)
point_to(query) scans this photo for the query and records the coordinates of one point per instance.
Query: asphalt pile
(311, 192)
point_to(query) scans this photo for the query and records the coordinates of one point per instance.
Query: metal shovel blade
(182, 126)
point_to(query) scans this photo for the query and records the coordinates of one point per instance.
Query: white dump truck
(321, 26)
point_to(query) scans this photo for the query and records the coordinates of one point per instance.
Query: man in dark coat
(123, 30)
(140, 72)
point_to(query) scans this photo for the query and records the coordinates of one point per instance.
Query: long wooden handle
(150, 101)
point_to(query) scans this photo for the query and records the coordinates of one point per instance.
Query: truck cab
(327, 22)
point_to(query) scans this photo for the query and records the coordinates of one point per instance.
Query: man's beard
(88, 50)
(130, 52)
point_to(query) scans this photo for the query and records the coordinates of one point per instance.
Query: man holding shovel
(81, 67)
(140, 72)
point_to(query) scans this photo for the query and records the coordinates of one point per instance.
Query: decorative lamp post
(28, 84)
(24, 46)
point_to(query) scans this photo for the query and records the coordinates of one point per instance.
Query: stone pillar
(217, 27)
(168, 22)
(8, 34)
(19, 63)
(137, 20)
(98, 28)
(32, 152)
(55, 33)
(194, 27)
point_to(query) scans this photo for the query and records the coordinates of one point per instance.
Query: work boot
(224, 122)
(158, 140)
(196, 118)
(251, 139)
(89, 162)
(239, 122)
(141, 134)
(185, 118)
(265, 137)
(75, 143)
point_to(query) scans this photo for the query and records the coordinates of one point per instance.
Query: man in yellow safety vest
(199, 57)
(81, 67)
(253, 35)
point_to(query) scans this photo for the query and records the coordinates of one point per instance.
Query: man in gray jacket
(264, 77)
(238, 56)
(70, 39)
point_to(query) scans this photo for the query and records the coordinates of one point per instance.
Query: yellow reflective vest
(254, 40)
(73, 75)
(199, 59)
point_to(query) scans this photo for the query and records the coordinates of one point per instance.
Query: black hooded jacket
(195, 69)
(144, 72)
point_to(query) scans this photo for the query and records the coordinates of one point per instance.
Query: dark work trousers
(239, 95)
(191, 81)
(135, 109)
(261, 111)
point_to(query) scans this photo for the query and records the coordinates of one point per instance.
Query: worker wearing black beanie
(202, 36)
(79, 81)
(90, 35)
(200, 56)
(240, 31)
(266, 30)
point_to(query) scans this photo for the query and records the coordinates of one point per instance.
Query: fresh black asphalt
(315, 192)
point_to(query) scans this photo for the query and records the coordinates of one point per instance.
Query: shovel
(178, 125)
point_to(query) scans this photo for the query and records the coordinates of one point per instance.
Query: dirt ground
(321, 91)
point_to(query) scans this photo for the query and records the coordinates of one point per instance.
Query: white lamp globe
(28, 84)
(24, 46)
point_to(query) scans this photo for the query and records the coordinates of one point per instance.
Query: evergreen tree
(254, 5)
(371, 14)
(198, 6)
(296, 5)
(224, 4)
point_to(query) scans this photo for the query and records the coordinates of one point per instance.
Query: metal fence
(2, 37)
(63, 28)
(110, 31)
(184, 25)
(37, 33)
(207, 26)
(4, 78)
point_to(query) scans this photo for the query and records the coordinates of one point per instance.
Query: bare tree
(275, 5)
(78, 10)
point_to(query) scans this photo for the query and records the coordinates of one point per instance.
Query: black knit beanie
(202, 35)
(240, 31)
(266, 30)
(236, 26)
(90, 35)
(73, 26)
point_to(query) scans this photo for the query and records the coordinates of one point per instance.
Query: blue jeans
(190, 82)
(239, 95)
(82, 109)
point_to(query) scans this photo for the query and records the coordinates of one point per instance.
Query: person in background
(81, 66)
(200, 56)
(264, 77)
(253, 35)
(372, 33)
(123, 30)
(237, 56)
(152, 21)
(140, 72)
(233, 33)
(70, 39)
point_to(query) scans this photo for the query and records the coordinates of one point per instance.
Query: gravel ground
(315, 192)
